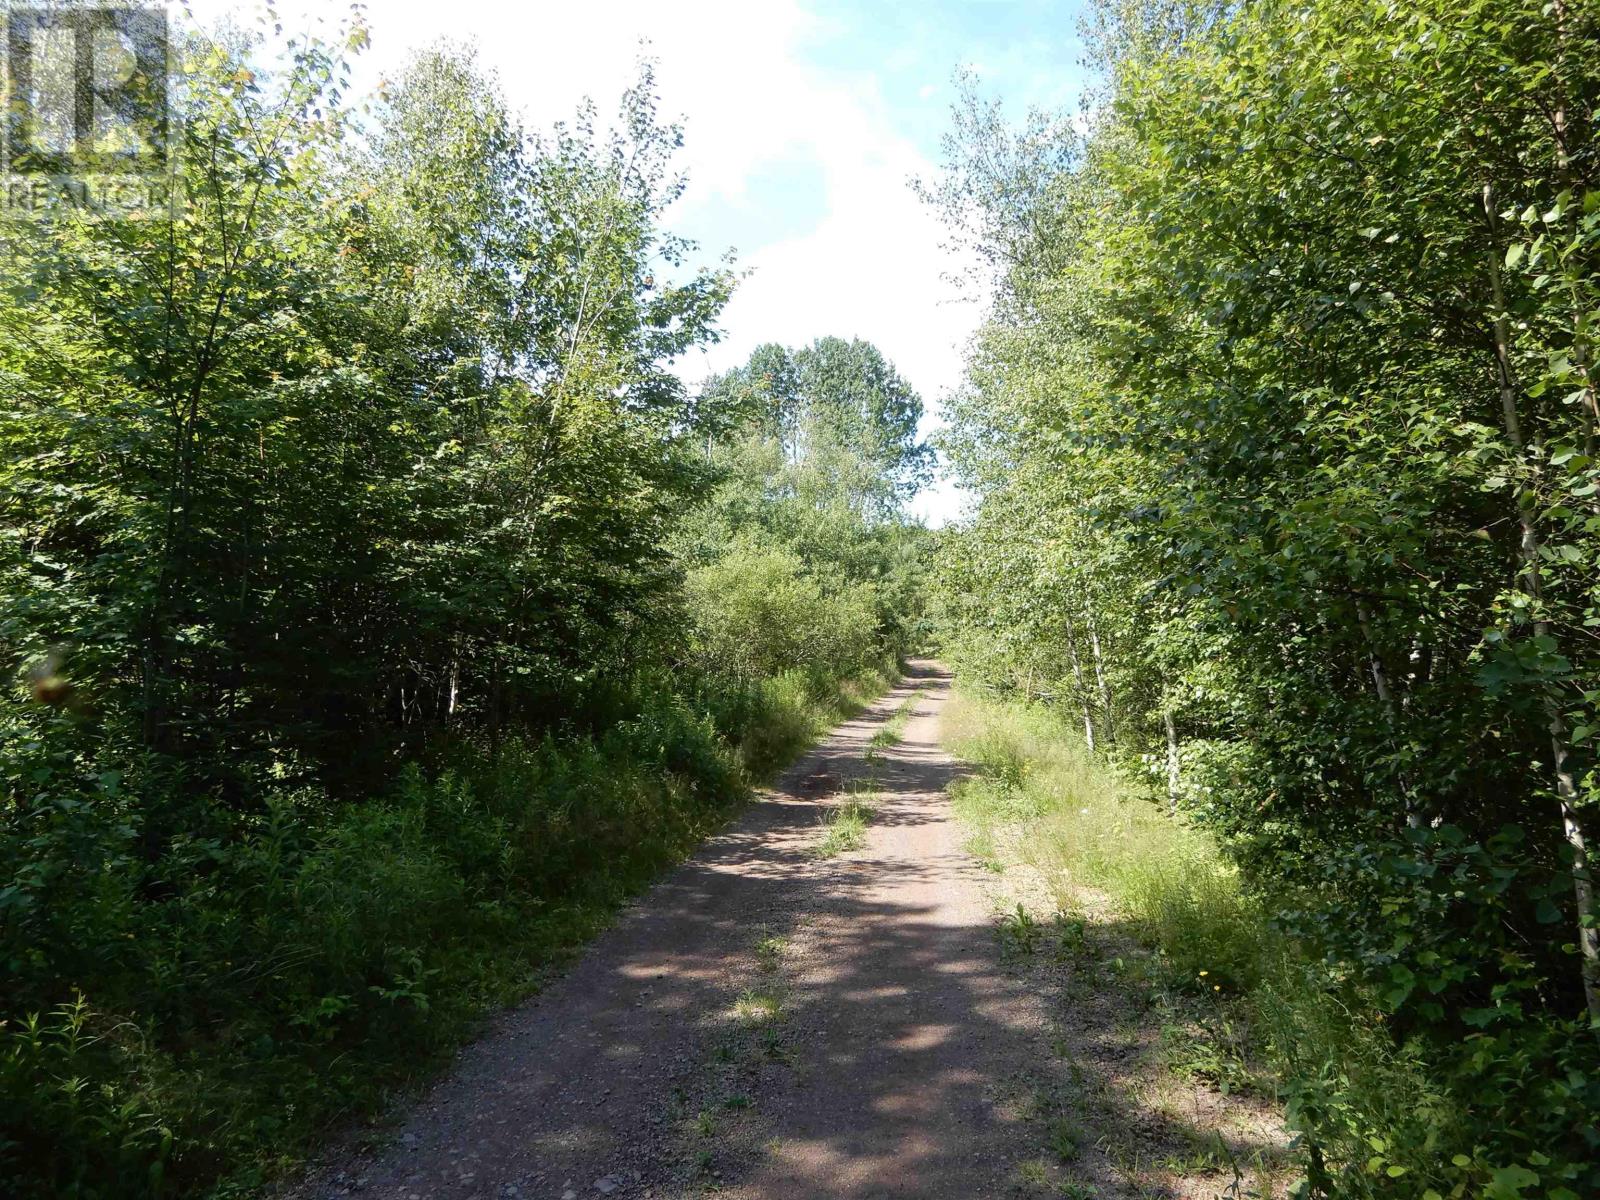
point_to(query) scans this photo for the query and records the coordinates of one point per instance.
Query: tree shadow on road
(763, 1023)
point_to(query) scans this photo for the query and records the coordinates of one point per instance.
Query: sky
(805, 122)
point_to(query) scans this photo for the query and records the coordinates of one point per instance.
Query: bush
(757, 613)
(77, 1121)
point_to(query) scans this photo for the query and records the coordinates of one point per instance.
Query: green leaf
(1508, 1183)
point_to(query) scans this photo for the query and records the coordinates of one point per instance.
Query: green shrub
(78, 1121)
(757, 613)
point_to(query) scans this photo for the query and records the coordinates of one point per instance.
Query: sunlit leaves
(1255, 407)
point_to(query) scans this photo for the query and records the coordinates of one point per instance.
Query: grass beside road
(1241, 1010)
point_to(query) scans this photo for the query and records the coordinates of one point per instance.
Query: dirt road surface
(763, 1023)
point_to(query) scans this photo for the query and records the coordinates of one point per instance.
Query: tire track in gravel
(762, 1023)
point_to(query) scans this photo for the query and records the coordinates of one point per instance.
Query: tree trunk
(1172, 761)
(1380, 683)
(1083, 691)
(1533, 587)
(1100, 681)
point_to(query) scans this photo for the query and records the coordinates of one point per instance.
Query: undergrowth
(197, 1024)
(1376, 1116)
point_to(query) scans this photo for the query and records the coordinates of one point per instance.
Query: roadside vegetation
(1156, 1072)
(1241, 1008)
(377, 607)
(1283, 438)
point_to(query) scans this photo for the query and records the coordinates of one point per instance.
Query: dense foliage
(377, 604)
(1284, 434)
(804, 532)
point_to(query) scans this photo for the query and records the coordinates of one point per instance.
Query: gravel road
(764, 1022)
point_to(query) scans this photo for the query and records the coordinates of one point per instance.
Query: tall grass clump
(844, 827)
(1087, 829)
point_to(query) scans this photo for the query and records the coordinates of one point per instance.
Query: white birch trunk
(1533, 586)
(1172, 761)
(1100, 680)
(1380, 683)
(1083, 691)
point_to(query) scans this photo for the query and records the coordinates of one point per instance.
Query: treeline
(377, 605)
(1284, 434)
